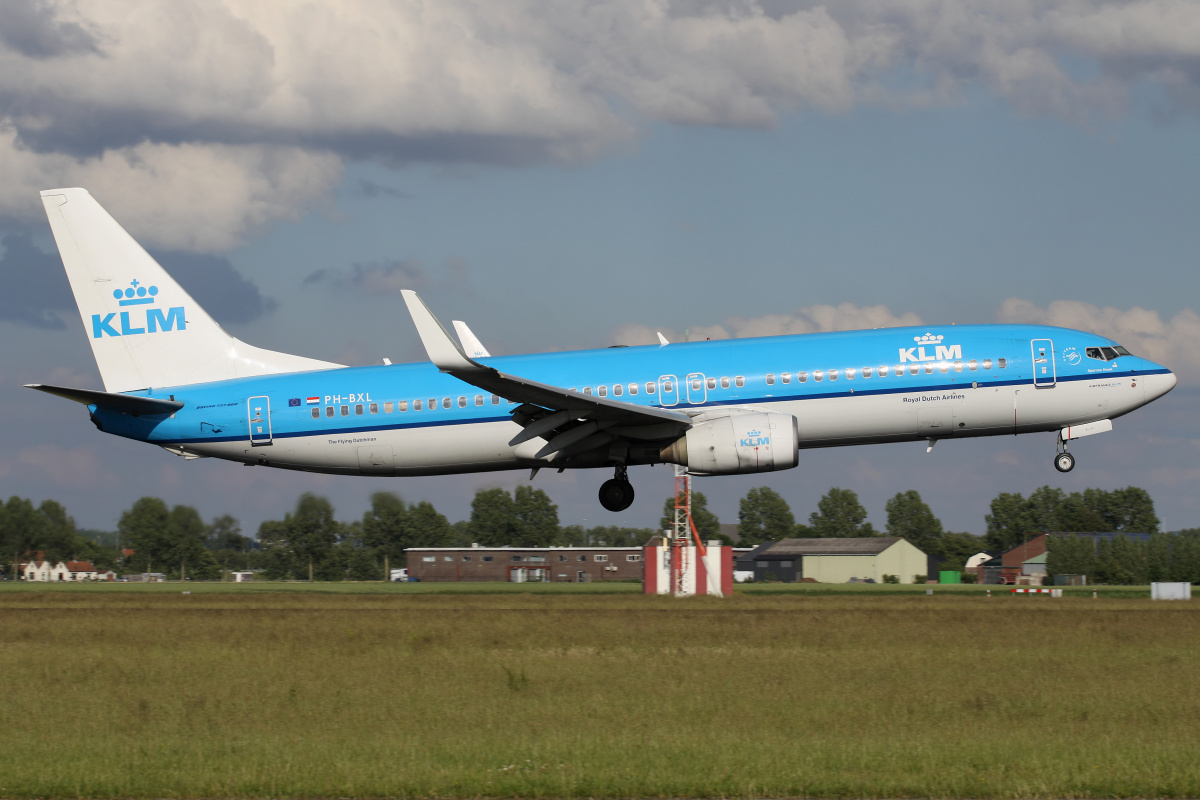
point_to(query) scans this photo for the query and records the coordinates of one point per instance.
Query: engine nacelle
(758, 441)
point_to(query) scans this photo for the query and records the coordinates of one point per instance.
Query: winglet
(443, 351)
(661, 339)
(470, 342)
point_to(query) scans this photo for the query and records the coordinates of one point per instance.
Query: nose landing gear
(1064, 461)
(617, 494)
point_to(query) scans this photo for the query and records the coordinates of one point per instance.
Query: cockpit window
(1106, 353)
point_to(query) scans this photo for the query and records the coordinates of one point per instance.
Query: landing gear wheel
(616, 494)
(1064, 462)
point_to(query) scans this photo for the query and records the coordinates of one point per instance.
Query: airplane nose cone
(1158, 385)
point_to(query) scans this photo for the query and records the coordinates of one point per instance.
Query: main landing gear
(1064, 461)
(617, 494)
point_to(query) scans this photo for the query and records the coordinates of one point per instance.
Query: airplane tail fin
(145, 330)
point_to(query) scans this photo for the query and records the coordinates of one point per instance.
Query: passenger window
(972, 365)
(883, 371)
(818, 375)
(445, 402)
(374, 408)
(478, 399)
(495, 399)
(929, 369)
(899, 370)
(915, 369)
(316, 413)
(696, 385)
(387, 407)
(602, 391)
(712, 383)
(358, 409)
(833, 373)
(587, 390)
(618, 390)
(402, 405)
(432, 404)
(802, 377)
(651, 387)
(958, 366)
(786, 377)
(668, 386)
(1002, 363)
(850, 373)
(739, 381)
(462, 401)
(345, 411)
(633, 388)
(416, 405)
(943, 367)
(770, 379)
(987, 363)
(724, 383)
(867, 372)
(329, 411)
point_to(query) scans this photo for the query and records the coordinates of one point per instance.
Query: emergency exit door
(1043, 362)
(259, 411)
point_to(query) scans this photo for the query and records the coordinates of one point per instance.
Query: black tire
(1064, 462)
(616, 495)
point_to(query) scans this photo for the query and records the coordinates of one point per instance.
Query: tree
(145, 530)
(706, 522)
(386, 530)
(840, 514)
(187, 554)
(954, 548)
(1128, 510)
(911, 519)
(279, 562)
(536, 518)
(493, 518)
(429, 528)
(312, 531)
(764, 516)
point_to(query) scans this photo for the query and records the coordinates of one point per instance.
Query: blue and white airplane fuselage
(724, 407)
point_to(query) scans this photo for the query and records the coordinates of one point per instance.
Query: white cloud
(1144, 332)
(813, 319)
(76, 468)
(205, 120)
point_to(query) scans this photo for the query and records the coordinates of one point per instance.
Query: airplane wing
(573, 423)
(123, 403)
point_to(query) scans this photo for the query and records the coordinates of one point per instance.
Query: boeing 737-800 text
(173, 378)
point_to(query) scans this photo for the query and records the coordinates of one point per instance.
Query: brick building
(521, 564)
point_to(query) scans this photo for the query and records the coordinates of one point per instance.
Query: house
(837, 560)
(525, 564)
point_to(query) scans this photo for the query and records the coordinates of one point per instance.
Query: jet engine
(736, 444)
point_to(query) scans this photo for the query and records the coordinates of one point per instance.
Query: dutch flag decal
(312, 401)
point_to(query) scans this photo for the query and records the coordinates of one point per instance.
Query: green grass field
(413, 690)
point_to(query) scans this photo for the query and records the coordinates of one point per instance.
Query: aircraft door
(259, 411)
(697, 394)
(668, 390)
(1043, 362)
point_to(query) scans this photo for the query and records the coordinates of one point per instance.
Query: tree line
(309, 542)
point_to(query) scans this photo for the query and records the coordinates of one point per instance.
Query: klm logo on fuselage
(135, 321)
(940, 352)
(754, 439)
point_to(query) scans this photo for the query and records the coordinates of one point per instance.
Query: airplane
(172, 377)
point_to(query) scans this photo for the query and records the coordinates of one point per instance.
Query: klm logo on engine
(754, 439)
(940, 352)
(137, 320)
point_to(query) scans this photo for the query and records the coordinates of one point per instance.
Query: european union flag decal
(294, 402)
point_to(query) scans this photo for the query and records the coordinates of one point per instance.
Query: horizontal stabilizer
(122, 403)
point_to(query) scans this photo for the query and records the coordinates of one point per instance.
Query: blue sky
(589, 178)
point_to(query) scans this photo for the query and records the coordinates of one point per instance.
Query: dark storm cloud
(217, 286)
(30, 28)
(35, 290)
(374, 278)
